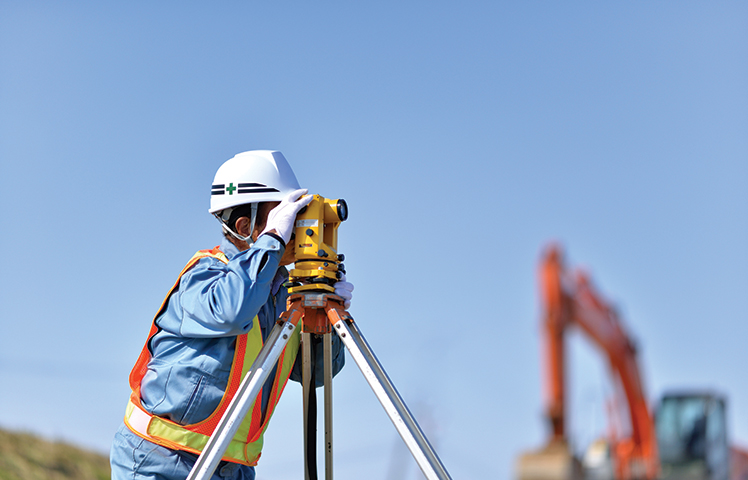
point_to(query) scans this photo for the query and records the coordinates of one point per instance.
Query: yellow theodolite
(318, 265)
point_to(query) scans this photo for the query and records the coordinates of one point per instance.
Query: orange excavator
(687, 442)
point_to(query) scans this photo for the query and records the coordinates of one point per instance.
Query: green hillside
(28, 457)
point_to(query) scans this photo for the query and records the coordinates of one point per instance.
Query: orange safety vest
(246, 446)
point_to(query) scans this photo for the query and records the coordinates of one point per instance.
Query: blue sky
(465, 138)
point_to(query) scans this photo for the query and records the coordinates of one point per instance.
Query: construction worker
(211, 327)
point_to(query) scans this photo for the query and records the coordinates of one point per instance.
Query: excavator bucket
(555, 461)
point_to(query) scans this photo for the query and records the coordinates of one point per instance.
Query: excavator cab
(692, 436)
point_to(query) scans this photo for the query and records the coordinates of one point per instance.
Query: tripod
(320, 312)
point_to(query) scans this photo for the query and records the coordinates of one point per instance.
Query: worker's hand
(344, 289)
(282, 218)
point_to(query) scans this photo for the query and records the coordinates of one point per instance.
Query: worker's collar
(228, 248)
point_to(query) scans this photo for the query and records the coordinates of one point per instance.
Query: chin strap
(224, 217)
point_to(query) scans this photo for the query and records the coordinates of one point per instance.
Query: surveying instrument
(313, 303)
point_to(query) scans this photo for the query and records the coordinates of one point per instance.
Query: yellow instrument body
(317, 264)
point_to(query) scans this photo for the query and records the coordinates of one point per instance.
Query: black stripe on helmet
(257, 190)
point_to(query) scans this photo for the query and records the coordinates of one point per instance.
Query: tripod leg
(328, 405)
(248, 390)
(393, 404)
(310, 406)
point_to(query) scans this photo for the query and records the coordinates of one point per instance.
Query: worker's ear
(241, 226)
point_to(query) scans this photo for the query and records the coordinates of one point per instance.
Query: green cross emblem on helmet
(231, 188)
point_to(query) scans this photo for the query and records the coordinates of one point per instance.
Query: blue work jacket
(193, 351)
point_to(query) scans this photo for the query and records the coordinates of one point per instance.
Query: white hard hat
(252, 177)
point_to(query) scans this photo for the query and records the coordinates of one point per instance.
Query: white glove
(282, 218)
(344, 289)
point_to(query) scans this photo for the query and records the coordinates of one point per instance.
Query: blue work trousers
(133, 458)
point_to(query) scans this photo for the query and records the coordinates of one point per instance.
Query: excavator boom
(570, 301)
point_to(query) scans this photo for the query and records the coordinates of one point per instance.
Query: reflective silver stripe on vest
(137, 419)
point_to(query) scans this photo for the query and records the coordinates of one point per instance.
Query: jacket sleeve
(218, 299)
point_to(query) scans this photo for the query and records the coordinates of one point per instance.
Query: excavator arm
(571, 302)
